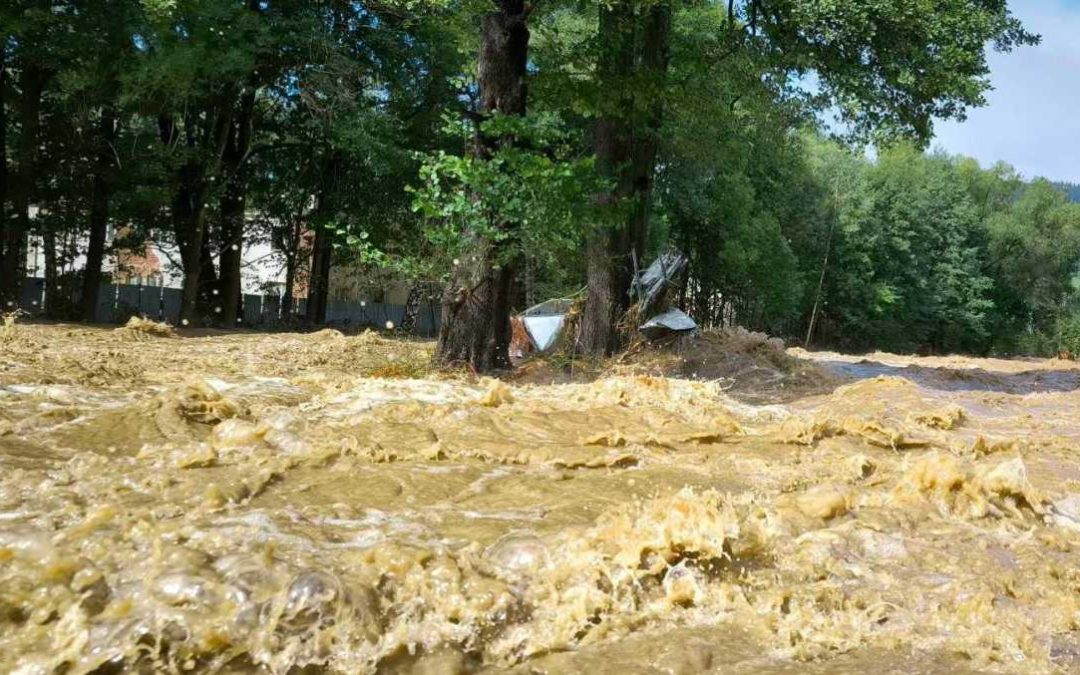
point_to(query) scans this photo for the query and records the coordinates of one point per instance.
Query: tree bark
(412, 309)
(631, 71)
(186, 219)
(209, 293)
(288, 241)
(188, 212)
(656, 31)
(286, 308)
(475, 327)
(99, 214)
(230, 245)
(233, 206)
(607, 249)
(319, 278)
(3, 169)
(32, 84)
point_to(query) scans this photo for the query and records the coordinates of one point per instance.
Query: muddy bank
(266, 503)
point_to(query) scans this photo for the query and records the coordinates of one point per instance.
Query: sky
(1032, 119)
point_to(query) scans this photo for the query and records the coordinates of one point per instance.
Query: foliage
(1071, 190)
(889, 67)
(535, 179)
(353, 102)
(1068, 336)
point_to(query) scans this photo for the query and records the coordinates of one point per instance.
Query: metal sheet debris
(668, 323)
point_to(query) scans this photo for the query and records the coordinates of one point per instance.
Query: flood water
(284, 503)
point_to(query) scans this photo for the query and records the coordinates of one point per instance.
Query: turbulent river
(294, 503)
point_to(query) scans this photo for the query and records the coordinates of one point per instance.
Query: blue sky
(1032, 119)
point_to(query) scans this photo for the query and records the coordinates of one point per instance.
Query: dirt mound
(751, 366)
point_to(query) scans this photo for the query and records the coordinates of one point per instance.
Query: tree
(631, 68)
(475, 326)
(874, 63)
(1033, 253)
(909, 271)
(30, 29)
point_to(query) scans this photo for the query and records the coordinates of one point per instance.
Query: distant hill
(1071, 189)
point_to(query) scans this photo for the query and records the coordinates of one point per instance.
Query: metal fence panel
(427, 321)
(31, 293)
(172, 298)
(394, 314)
(105, 301)
(253, 309)
(271, 308)
(337, 312)
(137, 300)
(128, 301)
(118, 302)
(150, 302)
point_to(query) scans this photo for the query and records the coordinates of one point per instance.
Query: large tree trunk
(412, 309)
(209, 295)
(233, 205)
(3, 168)
(288, 240)
(230, 244)
(287, 304)
(99, 214)
(633, 64)
(188, 211)
(609, 266)
(32, 84)
(189, 229)
(290, 246)
(187, 222)
(655, 33)
(475, 326)
(319, 277)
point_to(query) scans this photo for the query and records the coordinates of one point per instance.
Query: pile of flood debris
(750, 365)
(539, 328)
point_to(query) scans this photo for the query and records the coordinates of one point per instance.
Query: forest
(500, 153)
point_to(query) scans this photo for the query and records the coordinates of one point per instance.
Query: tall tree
(609, 248)
(632, 68)
(890, 68)
(233, 206)
(101, 190)
(32, 79)
(475, 327)
(322, 248)
(4, 299)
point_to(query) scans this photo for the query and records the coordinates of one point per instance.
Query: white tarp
(543, 330)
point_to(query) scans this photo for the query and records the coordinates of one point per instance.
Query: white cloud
(1031, 120)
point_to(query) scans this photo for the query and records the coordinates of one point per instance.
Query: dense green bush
(1068, 335)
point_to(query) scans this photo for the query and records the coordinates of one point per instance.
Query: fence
(119, 302)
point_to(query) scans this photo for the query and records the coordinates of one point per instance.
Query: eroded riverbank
(245, 502)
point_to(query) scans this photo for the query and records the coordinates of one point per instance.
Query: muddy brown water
(244, 503)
